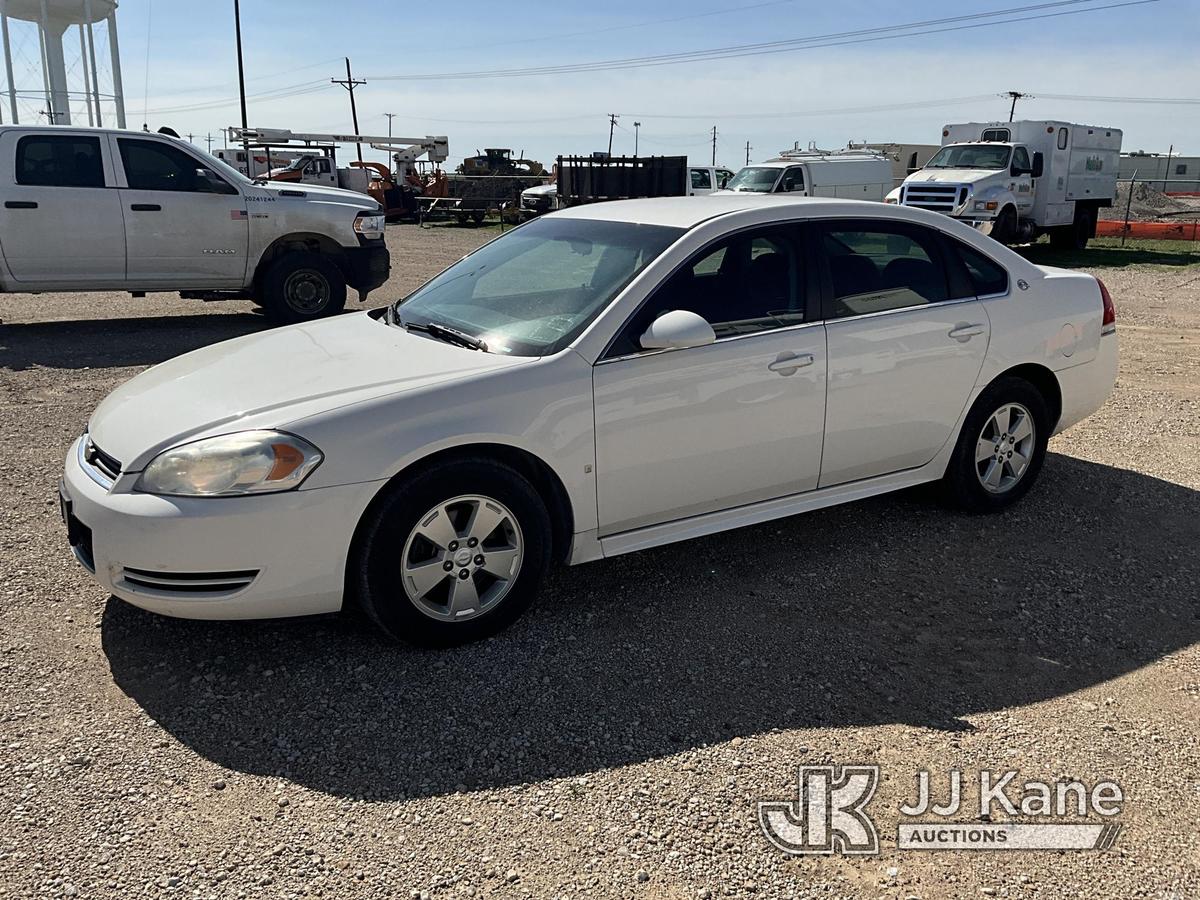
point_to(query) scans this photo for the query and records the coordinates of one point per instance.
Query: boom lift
(317, 163)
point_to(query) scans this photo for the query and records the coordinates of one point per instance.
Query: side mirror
(1039, 161)
(676, 330)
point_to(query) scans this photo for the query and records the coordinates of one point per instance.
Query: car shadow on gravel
(892, 610)
(105, 343)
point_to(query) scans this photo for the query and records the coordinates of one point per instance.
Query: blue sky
(1144, 50)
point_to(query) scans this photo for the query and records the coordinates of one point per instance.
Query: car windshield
(971, 156)
(754, 178)
(532, 291)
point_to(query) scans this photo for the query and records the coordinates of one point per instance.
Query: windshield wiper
(447, 334)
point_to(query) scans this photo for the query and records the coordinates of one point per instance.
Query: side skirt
(752, 514)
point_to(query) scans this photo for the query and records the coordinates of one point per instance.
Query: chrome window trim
(902, 309)
(643, 354)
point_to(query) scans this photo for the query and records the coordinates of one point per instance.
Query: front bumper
(366, 267)
(255, 557)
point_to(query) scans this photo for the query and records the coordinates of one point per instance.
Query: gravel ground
(615, 741)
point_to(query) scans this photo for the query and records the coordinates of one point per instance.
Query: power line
(866, 35)
(1166, 101)
(280, 93)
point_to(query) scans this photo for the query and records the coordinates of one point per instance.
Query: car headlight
(248, 462)
(370, 225)
(989, 205)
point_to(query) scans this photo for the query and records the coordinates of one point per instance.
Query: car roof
(687, 212)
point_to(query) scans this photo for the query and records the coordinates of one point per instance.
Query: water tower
(70, 80)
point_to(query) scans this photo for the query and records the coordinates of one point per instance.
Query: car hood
(957, 176)
(269, 379)
(317, 192)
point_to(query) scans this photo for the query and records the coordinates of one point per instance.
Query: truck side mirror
(1039, 162)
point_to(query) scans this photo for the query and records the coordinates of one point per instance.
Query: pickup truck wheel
(301, 286)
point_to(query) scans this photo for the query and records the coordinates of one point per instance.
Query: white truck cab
(707, 179)
(850, 174)
(88, 209)
(1017, 180)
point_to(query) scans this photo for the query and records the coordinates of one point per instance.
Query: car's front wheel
(454, 554)
(1001, 447)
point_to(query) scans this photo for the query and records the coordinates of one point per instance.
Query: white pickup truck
(89, 209)
(1018, 180)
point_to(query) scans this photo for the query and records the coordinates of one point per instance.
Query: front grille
(193, 584)
(106, 465)
(937, 197)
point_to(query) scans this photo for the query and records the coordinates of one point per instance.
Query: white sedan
(600, 380)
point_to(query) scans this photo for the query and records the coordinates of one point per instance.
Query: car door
(1023, 184)
(701, 182)
(690, 431)
(185, 225)
(905, 347)
(61, 220)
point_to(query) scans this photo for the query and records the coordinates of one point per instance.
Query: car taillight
(1109, 323)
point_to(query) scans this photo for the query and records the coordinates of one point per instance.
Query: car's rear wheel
(301, 286)
(454, 554)
(1001, 447)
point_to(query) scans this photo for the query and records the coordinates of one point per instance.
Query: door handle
(964, 333)
(146, 207)
(788, 363)
(20, 204)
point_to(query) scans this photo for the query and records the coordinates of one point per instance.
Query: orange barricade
(1152, 231)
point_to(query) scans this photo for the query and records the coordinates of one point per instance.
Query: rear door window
(54, 160)
(878, 267)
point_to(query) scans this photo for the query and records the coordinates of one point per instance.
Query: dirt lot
(615, 742)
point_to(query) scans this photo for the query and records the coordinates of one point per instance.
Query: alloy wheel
(462, 558)
(1005, 448)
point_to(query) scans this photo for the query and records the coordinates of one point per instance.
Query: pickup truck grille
(941, 198)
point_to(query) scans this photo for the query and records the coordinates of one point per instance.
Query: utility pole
(190, 136)
(1167, 171)
(1016, 95)
(390, 116)
(237, 21)
(612, 123)
(636, 126)
(747, 153)
(208, 137)
(714, 161)
(350, 84)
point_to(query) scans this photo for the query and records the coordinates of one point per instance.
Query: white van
(849, 174)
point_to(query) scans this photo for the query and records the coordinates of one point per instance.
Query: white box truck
(851, 174)
(1018, 180)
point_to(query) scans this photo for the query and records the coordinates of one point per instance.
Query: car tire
(1076, 235)
(984, 474)
(302, 286)
(414, 588)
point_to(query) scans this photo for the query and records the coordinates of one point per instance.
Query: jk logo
(828, 816)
